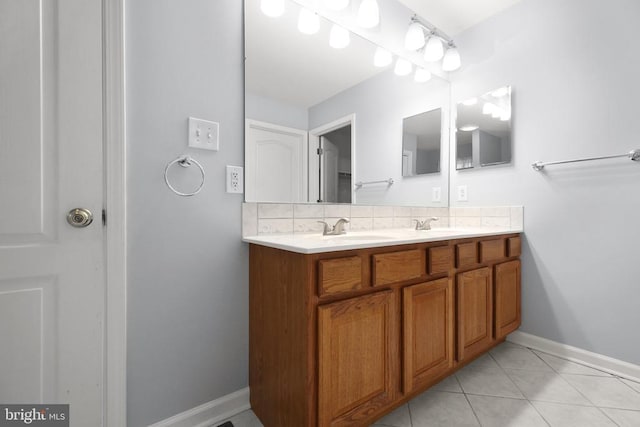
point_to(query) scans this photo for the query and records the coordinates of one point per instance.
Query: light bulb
(382, 57)
(308, 22)
(339, 37)
(414, 39)
(497, 112)
(272, 8)
(422, 75)
(433, 51)
(403, 67)
(499, 93)
(505, 116)
(336, 4)
(488, 108)
(469, 128)
(470, 101)
(368, 14)
(451, 59)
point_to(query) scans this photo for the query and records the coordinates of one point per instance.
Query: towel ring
(185, 162)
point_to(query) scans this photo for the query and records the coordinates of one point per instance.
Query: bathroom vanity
(344, 331)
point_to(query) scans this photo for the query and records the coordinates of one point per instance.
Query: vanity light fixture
(433, 45)
(470, 101)
(339, 37)
(488, 108)
(414, 39)
(308, 22)
(499, 93)
(336, 4)
(451, 60)
(272, 8)
(469, 128)
(422, 75)
(368, 14)
(403, 67)
(382, 57)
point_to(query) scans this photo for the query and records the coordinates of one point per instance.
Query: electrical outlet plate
(462, 193)
(235, 177)
(204, 134)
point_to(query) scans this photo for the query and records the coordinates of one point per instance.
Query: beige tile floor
(513, 386)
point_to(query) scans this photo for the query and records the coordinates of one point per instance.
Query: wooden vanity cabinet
(342, 338)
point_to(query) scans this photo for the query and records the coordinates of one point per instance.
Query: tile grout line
(519, 389)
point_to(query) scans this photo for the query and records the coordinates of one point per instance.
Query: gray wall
(380, 103)
(575, 94)
(269, 110)
(188, 270)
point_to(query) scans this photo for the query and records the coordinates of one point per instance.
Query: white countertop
(311, 243)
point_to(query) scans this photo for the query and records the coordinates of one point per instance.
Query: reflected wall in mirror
(299, 90)
(483, 130)
(421, 143)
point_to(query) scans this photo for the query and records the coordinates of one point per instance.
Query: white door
(275, 163)
(329, 170)
(51, 274)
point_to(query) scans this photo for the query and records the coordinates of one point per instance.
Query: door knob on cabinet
(79, 217)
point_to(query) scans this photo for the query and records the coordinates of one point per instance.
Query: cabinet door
(474, 307)
(428, 332)
(354, 358)
(507, 298)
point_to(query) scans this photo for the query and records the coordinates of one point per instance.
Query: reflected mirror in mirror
(483, 130)
(421, 142)
(299, 90)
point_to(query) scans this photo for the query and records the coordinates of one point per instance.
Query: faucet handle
(327, 227)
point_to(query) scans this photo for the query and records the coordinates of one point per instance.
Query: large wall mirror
(321, 120)
(483, 130)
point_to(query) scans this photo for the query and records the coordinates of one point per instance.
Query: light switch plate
(436, 194)
(204, 134)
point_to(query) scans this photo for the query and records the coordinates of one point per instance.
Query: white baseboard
(574, 354)
(210, 413)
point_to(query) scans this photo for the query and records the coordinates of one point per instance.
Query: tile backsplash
(286, 218)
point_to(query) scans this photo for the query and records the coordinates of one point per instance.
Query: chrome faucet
(338, 228)
(426, 224)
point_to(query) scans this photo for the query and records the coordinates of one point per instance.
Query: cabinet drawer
(466, 254)
(514, 246)
(492, 250)
(339, 275)
(439, 259)
(398, 266)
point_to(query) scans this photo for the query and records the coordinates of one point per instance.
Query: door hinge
(104, 217)
(320, 151)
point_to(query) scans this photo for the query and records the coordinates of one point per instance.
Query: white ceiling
(302, 70)
(455, 16)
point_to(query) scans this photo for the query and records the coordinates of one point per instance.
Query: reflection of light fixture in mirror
(488, 108)
(336, 4)
(469, 128)
(499, 93)
(414, 39)
(497, 112)
(368, 14)
(403, 67)
(422, 75)
(308, 22)
(470, 101)
(433, 51)
(382, 57)
(272, 8)
(339, 37)
(451, 61)
(505, 116)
